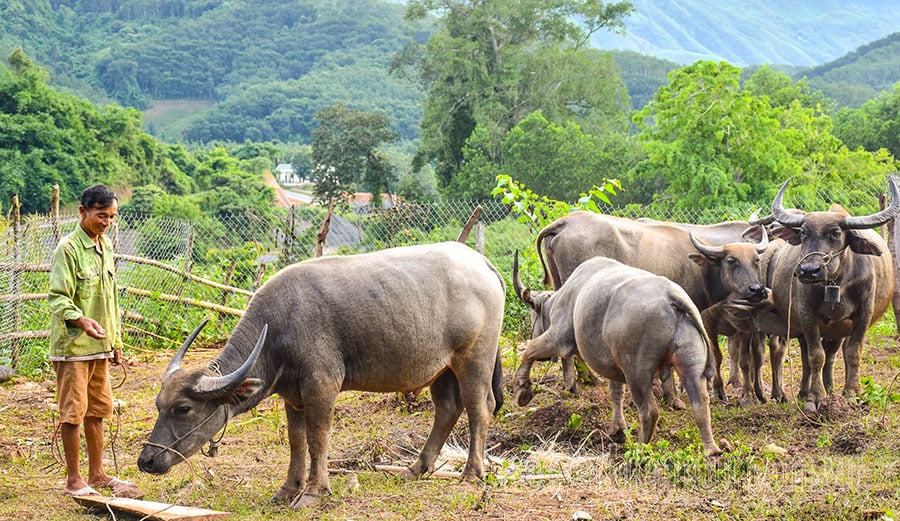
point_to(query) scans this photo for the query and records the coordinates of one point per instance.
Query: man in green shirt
(85, 339)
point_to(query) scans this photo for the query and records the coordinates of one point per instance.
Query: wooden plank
(150, 509)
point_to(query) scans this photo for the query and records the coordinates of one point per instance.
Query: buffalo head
(824, 236)
(536, 300)
(193, 406)
(738, 263)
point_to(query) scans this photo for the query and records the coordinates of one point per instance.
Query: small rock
(6, 373)
(581, 515)
(774, 450)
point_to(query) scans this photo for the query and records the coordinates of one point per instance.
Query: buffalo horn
(763, 241)
(521, 291)
(175, 364)
(791, 220)
(705, 249)
(219, 386)
(871, 221)
(765, 221)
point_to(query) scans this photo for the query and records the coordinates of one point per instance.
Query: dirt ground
(551, 460)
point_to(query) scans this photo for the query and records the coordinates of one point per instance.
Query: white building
(286, 175)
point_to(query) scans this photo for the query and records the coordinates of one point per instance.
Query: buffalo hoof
(676, 403)
(409, 474)
(811, 407)
(747, 400)
(304, 500)
(617, 436)
(524, 395)
(285, 494)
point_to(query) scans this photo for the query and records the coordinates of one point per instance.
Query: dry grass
(843, 466)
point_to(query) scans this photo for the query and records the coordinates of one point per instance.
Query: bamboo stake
(183, 300)
(195, 278)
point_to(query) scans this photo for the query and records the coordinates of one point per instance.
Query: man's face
(95, 221)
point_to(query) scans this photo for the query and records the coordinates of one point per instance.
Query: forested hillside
(269, 65)
(861, 75)
(259, 70)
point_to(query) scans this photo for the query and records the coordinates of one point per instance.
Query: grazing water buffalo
(394, 320)
(830, 282)
(601, 315)
(708, 273)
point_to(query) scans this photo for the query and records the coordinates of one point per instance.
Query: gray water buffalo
(831, 280)
(601, 315)
(391, 321)
(707, 272)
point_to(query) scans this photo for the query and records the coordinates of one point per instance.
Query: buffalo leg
(815, 354)
(747, 363)
(716, 350)
(648, 411)
(478, 401)
(756, 346)
(670, 395)
(831, 350)
(735, 379)
(570, 375)
(617, 424)
(692, 374)
(804, 369)
(318, 411)
(539, 348)
(852, 354)
(448, 406)
(296, 478)
(777, 350)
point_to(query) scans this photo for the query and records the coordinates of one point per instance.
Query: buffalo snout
(810, 272)
(756, 293)
(149, 463)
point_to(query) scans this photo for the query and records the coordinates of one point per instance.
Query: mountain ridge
(753, 32)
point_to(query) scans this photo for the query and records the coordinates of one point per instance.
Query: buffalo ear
(701, 260)
(245, 389)
(861, 245)
(790, 235)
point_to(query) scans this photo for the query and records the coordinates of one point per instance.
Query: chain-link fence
(173, 273)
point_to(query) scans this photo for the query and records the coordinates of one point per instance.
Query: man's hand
(91, 327)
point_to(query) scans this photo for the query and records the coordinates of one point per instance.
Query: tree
(491, 63)
(711, 143)
(558, 161)
(345, 153)
(874, 126)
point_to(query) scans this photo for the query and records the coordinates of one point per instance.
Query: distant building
(286, 175)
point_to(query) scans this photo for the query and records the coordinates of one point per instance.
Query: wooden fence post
(16, 281)
(54, 216)
(323, 232)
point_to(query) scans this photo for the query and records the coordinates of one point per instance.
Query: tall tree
(492, 62)
(711, 143)
(345, 153)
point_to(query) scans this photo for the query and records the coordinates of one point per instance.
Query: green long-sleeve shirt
(83, 283)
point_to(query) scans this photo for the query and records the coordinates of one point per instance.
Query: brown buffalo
(708, 273)
(831, 280)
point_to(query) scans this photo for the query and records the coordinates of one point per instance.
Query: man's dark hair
(97, 196)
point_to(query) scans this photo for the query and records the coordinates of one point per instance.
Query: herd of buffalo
(632, 299)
